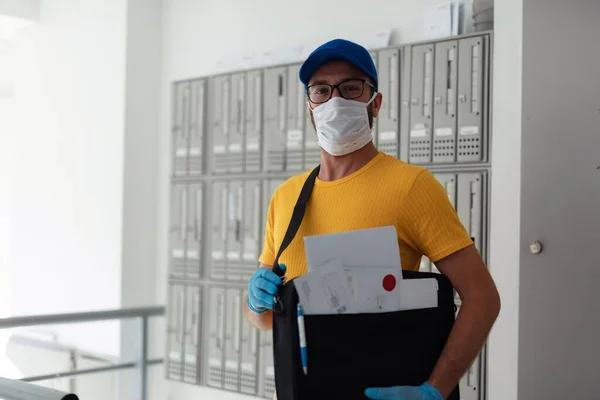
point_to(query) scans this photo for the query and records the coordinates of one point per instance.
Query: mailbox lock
(535, 247)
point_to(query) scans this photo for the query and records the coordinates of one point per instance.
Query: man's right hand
(262, 289)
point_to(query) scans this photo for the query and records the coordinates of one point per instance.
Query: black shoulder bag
(348, 353)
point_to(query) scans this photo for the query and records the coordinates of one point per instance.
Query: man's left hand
(423, 392)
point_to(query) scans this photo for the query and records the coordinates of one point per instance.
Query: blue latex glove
(262, 289)
(423, 392)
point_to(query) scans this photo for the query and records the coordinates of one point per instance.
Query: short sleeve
(267, 256)
(428, 221)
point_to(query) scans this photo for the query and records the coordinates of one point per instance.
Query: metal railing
(141, 362)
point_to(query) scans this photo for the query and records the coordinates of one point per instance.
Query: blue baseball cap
(338, 49)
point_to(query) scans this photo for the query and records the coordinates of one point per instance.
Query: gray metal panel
(237, 121)
(427, 266)
(445, 97)
(375, 125)
(233, 318)
(192, 334)
(179, 128)
(275, 118)
(312, 150)
(197, 127)
(267, 367)
(471, 103)
(269, 189)
(175, 332)
(216, 336)
(470, 205)
(559, 322)
(421, 103)
(389, 114)
(251, 223)
(296, 109)
(220, 124)
(471, 382)
(254, 121)
(178, 230)
(235, 209)
(194, 220)
(449, 182)
(219, 230)
(249, 357)
(405, 97)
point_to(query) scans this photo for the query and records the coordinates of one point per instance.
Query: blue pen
(302, 336)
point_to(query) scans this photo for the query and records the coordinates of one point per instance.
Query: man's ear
(377, 101)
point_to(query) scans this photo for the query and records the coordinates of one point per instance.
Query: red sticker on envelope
(389, 282)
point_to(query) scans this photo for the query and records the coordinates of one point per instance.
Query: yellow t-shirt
(384, 192)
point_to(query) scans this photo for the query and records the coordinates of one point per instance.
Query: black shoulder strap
(297, 216)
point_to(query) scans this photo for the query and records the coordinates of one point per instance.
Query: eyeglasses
(349, 89)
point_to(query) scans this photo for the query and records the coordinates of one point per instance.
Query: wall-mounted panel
(388, 121)
(175, 332)
(312, 150)
(421, 103)
(233, 318)
(472, 188)
(197, 127)
(374, 126)
(470, 384)
(445, 96)
(471, 101)
(254, 121)
(219, 223)
(178, 230)
(216, 337)
(268, 190)
(237, 106)
(235, 209)
(249, 357)
(275, 92)
(180, 128)
(251, 224)
(194, 234)
(220, 123)
(296, 110)
(449, 182)
(192, 350)
(267, 367)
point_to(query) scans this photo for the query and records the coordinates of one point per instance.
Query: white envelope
(375, 247)
(325, 291)
(378, 290)
(375, 289)
(418, 293)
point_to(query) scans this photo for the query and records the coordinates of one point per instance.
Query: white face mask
(343, 125)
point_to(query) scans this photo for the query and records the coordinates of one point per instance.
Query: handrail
(141, 364)
(54, 346)
(76, 317)
(16, 390)
(95, 370)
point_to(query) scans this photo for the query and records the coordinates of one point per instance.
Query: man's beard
(369, 111)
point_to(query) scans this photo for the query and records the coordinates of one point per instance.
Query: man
(359, 187)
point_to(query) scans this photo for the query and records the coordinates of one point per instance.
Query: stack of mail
(359, 272)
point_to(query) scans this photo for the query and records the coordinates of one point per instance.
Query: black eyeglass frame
(334, 87)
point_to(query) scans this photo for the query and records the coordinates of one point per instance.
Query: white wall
(199, 34)
(139, 265)
(68, 175)
(27, 9)
(504, 257)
